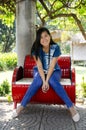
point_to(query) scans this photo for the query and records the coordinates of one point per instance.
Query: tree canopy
(7, 37)
(7, 11)
(65, 14)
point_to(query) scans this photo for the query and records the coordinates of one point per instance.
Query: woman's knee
(55, 77)
(52, 81)
(37, 80)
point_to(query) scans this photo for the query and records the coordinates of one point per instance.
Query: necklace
(48, 57)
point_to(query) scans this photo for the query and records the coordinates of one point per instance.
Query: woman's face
(45, 39)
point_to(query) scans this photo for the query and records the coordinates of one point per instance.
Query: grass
(80, 73)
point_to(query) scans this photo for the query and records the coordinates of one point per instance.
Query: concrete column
(25, 28)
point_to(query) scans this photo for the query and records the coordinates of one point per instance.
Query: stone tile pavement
(41, 117)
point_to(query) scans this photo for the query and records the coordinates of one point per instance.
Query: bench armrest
(17, 74)
(73, 80)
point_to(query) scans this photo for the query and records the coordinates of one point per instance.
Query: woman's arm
(51, 68)
(41, 72)
(40, 69)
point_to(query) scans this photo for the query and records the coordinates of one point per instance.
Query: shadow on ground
(41, 117)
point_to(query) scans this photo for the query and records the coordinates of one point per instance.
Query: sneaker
(14, 114)
(76, 117)
(17, 111)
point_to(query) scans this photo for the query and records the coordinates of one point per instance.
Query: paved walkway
(41, 117)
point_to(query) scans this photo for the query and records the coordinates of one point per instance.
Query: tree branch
(53, 3)
(49, 13)
(42, 19)
(75, 18)
(11, 7)
(79, 25)
(67, 4)
(45, 7)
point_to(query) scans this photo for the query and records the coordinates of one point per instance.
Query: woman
(47, 72)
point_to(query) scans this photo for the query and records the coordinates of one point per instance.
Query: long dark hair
(36, 45)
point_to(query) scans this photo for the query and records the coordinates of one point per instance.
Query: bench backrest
(63, 61)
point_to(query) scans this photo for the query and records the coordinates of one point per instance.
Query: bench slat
(28, 81)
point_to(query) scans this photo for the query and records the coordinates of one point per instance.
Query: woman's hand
(45, 87)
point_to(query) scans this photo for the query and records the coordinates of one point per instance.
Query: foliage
(65, 48)
(2, 65)
(7, 26)
(7, 11)
(64, 14)
(83, 85)
(4, 88)
(55, 14)
(9, 98)
(8, 61)
(7, 37)
(50, 9)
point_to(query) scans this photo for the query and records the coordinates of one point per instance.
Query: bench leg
(15, 105)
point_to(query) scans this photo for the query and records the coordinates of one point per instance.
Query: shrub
(8, 61)
(83, 85)
(2, 65)
(4, 88)
(11, 60)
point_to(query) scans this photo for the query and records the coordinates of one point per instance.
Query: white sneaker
(14, 114)
(76, 117)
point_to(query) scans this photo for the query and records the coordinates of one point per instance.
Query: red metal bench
(23, 76)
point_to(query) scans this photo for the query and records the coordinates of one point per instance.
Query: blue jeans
(54, 82)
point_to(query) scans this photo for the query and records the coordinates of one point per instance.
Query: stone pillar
(25, 28)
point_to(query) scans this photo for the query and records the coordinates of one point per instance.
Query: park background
(66, 21)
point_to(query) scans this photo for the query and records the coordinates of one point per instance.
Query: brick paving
(41, 117)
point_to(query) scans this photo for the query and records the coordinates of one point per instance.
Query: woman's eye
(45, 35)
